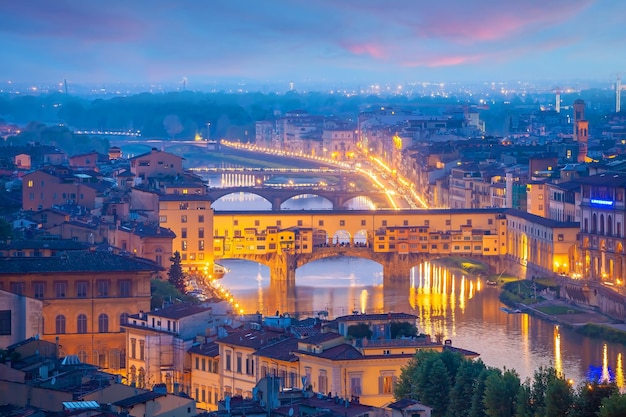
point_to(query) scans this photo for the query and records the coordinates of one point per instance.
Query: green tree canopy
(175, 275)
(402, 329)
(501, 390)
(359, 331)
(613, 406)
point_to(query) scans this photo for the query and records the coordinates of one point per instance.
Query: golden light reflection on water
(363, 301)
(558, 361)
(606, 376)
(435, 294)
(619, 372)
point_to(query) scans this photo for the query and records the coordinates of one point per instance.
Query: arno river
(459, 307)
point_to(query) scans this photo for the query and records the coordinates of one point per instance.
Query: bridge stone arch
(308, 194)
(369, 205)
(216, 195)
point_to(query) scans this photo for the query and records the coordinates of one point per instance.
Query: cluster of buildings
(188, 360)
(96, 229)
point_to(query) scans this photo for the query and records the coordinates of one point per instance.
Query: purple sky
(103, 41)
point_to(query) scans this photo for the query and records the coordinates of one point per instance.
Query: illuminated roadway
(400, 193)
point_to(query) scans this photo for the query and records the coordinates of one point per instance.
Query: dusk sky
(97, 41)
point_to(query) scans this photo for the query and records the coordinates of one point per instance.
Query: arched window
(141, 378)
(132, 376)
(609, 225)
(103, 323)
(123, 318)
(602, 224)
(594, 223)
(82, 356)
(81, 324)
(60, 324)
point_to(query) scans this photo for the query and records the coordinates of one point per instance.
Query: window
(183, 218)
(103, 323)
(448, 222)
(60, 324)
(200, 218)
(322, 382)
(405, 222)
(300, 223)
(133, 348)
(39, 289)
(384, 223)
(183, 244)
(123, 318)
(183, 233)
(81, 324)
(363, 222)
(320, 223)
(81, 289)
(257, 223)
(124, 287)
(142, 350)
(342, 222)
(227, 361)
(201, 245)
(239, 363)
(560, 237)
(103, 288)
(386, 384)
(17, 288)
(355, 385)
(201, 232)
(162, 219)
(5, 322)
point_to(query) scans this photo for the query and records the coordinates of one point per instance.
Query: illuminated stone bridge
(277, 196)
(397, 240)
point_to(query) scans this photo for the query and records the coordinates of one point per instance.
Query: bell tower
(581, 129)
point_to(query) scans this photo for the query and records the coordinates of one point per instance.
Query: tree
(163, 293)
(501, 390)
(613, 406)
(359, 331)
(6, 231)
(559, 398)
(175, 275)
(436, 394)
(478, 406)
(463, 390)
(590, 396)
(402, 329)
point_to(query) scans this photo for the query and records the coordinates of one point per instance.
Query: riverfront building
(86, 296)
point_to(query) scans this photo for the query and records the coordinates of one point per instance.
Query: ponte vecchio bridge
(398, 240)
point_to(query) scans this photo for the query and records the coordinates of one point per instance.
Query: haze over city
(203, 43)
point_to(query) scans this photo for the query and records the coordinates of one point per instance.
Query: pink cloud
(373, 50)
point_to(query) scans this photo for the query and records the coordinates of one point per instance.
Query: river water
(459, 307)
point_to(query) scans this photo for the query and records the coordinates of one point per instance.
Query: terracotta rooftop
(77, 261)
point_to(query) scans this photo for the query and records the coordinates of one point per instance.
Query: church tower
(581, 129)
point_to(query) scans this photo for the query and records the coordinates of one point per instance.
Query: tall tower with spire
(581, 129)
